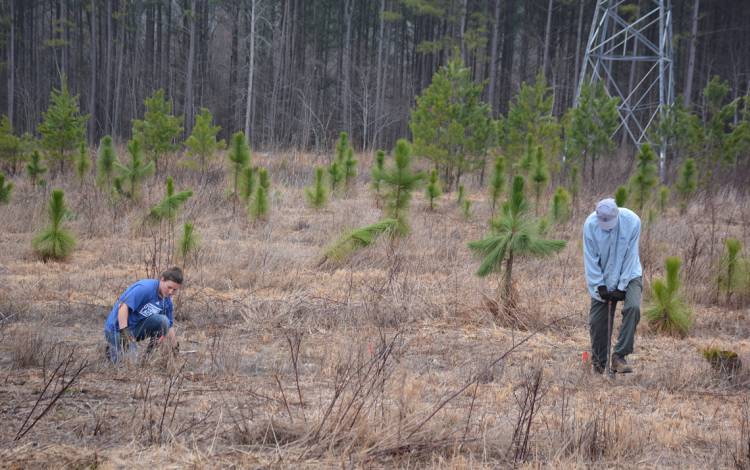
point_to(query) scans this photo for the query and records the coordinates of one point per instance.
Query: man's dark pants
(631, 315)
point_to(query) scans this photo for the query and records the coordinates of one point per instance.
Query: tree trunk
(379, 77)
(687, 97)
(250, 69)
(94, 71)
(493, 57)
(346, 68)
(11, 61)
(547, 32)
(108, 72)
(189, 106)
(579, 33)
(118, 76)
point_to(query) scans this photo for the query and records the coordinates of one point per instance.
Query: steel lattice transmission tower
(630, 51)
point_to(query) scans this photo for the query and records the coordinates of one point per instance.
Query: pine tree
(350, 167)
(591, 125)
(668, 312)
(54, 242)
(433, 188)
(451, 125)
(621, 196)
(35, 169)
(5, 189)
(540, 177)
(400, 181)
(188, 244)
(263, 179)
(159, 129)
(335, 175)
(377, 171)
(202, 143)
(514, 234)
(645, 178)
(171, 203)
(317, 196)
(133, 174)
(10, 145)
(82, 163)
(560, 210)
(497, 182)
(105, 164)
(239, 157)
(63, 127)
(733, 273)
(663, 199)
(359, 238)
(687, 183)
(259, 206)
(247, 184)
(163, 216)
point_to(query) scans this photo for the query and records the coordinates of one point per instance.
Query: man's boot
(620, 365)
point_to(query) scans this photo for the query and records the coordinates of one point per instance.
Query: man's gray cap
(606, 214)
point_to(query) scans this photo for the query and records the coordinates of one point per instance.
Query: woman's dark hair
(173, 274)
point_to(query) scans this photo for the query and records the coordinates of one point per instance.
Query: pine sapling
(54, 242)
(5, 190)
(359, 238)
(433, 190)
(247, 184)
(163, 216)
(259, 206)
(239, 158)
(376, 173)
(497, 183)
(188, 244)
(514, 234)
(350, 167)
(466, 208)
(540, 177)
(621, 196)
(663, 199)
(400, 181)
(669, 313)
(560, 206)
(575, 184)
(687, 182)
(317, 196)
(35, 169)
(732, 269)
(133, 174)
(645, 179)
(105, 164)
(82, 163)
(461, 195)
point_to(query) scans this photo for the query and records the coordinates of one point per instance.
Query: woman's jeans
(152, 327)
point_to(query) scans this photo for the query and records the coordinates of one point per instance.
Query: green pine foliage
(591, 125)
(461, 195)
(159, 130)
(35, 169)
(202, 144)
(343, 168)
(168, 208)
(54, 242)
(5, 189)
(575, 182)
(530, 123)
(645, 178)
(399, 182)
(188, 243)
(10, 145)
(263, 179)
(621, 196)
(540, 177)
(560, 210)
(733, 269)
(687, 183)
(433, 190)
(663, 199)
(259, 207)
(316, 195)
(376, 173)
(132, 175)
(63, 127)
(669, 313)
(335, 175)
(350, 167)
(360, 238)
(497, 182)
(82, 163)
(450, 124)
(247, 184)
(105, 164)
(466, 208)
(239, 158)
(514, 235)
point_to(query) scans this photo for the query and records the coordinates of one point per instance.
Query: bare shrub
(528, 394)
(27, 346)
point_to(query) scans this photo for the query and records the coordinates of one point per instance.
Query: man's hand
(125, 337)
(617, 295)
(603, 293)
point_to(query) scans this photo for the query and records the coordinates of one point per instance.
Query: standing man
(143, 311)
(613, 274)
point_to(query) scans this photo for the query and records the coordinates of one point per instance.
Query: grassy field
(391, 359)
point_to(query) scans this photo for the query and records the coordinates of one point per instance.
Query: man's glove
(603, 293)
(125, 337)
(617, 295)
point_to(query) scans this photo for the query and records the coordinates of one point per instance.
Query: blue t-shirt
(142, 299)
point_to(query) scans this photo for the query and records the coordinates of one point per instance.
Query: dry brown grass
(390, 359)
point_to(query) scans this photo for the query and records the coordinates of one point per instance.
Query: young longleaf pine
(54, 242)
(316, 195)
(669, 313)
(400, 181)
(497, 183)
(433, 188)
(35, 169)
(5, 190)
